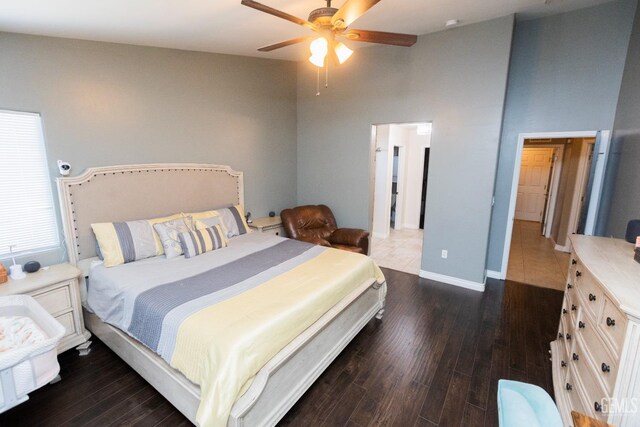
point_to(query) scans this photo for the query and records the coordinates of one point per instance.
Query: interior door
(533, 183)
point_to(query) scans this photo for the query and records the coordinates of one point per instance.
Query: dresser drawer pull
(560, 335)
(592, 297)
(574, 262)
(597, 407)
(578, 274)
(564, 311)
(611, 322)
(568, 386)
(581, 324)
(575, 357)
(573, 307)
(563, 364)
(605, 367)
(568, 336)
(569, 286)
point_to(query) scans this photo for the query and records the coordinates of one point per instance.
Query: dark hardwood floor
(435, 359)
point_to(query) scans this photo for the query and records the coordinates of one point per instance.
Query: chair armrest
(314, 240)
(349, 237)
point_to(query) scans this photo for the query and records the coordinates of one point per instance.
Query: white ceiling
(225, 26)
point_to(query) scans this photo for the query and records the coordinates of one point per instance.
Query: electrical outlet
(445, 253)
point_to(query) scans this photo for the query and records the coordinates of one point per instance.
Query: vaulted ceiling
(225, 26)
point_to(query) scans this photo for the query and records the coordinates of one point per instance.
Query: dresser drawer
(594, 391)
(573, 308)
(613, 325)
(590, 291)
(575, 393)
(66, 320)
(565, 346)
(604, 363)
(55, 300)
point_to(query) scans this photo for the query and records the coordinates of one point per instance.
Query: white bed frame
(106, 194)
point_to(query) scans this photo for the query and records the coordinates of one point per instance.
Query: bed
(121, 193)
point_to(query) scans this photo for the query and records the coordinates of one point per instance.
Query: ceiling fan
(331, 25)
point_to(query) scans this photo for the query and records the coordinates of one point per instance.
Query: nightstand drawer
(55, 300)
(66, 320)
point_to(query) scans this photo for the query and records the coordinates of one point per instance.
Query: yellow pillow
(124, 242)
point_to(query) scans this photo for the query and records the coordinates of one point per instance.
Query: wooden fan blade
(395, 39)
(350, 11)
(284, 44)
(280, 14)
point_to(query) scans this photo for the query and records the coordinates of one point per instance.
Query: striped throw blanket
(220, 326)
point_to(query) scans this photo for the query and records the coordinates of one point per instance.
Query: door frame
(401, 188)
(594, 203)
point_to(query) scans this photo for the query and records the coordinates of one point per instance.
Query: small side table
(56, 290)
(271, 225)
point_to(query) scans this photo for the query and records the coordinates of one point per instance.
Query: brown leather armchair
(316, 224)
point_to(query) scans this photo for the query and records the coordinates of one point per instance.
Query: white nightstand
(271, 225)
(56, 290)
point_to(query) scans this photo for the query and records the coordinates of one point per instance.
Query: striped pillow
(197, 242)
(234, 221)
(124, 242)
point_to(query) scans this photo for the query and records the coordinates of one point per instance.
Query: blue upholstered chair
(525, 405)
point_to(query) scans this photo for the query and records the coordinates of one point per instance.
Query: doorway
(555, 191)
(399, 194)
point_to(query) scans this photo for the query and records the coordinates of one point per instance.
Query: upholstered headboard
(130, 192)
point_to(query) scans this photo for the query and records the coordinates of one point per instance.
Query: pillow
(169, 231)
(208, 219)
(124, 242)
(234, 221)
(203, 240)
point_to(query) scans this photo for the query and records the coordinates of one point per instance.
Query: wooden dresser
(596, 357)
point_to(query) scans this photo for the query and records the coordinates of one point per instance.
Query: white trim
(516, 178)
(455, 281)
(598, 182)
(566, 248)
(492, 274)
(379, 235)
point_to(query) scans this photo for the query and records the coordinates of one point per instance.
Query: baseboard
(463, 283)
(411, 226)
(492, 274)
(563, 248)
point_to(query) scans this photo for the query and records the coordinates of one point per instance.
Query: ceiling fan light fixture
(319, 48)
(342, 52)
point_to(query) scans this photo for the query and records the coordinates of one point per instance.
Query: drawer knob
(574, 262)
(568, 386)
(581, 324)
(569, 286)
(605, 367)
(564, 311)
(560, 335)
(573, 307)
(563, 363)
(597, 407)
(611, 322)
(592, 297)
(568, 336)
(578, 274)
(575, 357)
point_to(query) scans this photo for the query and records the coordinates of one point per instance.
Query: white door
(533, 183)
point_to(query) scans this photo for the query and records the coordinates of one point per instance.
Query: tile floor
(402, 250)
(533, 259)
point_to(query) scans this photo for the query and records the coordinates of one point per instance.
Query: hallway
(401, 251)
(533, 259)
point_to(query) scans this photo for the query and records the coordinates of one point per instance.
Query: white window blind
(27, 217)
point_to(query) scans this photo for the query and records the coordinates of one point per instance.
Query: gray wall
(106, 104)
(626, 136)
(457, 80)
(565, 76)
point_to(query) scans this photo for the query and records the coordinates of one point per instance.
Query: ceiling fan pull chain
(318, 83)
(326, 76)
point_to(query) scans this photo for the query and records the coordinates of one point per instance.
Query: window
(27, 216)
